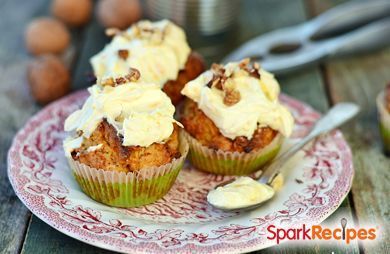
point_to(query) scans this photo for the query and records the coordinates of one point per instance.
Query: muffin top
(140, 112)
(239, 98)
(159, 50)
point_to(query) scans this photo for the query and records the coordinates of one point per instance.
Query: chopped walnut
(210, 83)
(219, 77)
(120, 80)
(241, 141)
(133, 76)
(254, 73)
(219, 83)
(253, 70)
(216, 82)
(232, 96)
(123, 53)
(219, 80)
(244, 63)
(108, 82)
(155, 35)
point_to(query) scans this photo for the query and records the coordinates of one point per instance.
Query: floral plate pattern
(316, 182)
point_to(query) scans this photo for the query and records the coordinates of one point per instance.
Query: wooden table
(357, 79)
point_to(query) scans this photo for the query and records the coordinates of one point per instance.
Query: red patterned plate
(316, 182)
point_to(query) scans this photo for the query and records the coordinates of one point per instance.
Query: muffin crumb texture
(112, 155)
(193, 67)
(202, 128)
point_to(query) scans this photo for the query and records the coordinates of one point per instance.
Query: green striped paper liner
(131, 189)
(230, 163)
(384, 121)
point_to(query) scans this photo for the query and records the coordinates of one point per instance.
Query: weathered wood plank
(359, 79)
(50, 240)
(17, 108)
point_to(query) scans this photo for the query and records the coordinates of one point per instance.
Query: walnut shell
(118, 13)
(72, 12)
(46, 35)
(49, 78)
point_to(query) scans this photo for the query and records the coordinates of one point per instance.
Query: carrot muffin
(124, 147)
(383, 104)
(159, 50)
(233, 118)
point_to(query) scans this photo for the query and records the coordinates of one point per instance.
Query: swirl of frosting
(159, 50)
(256, 103)
(140, 112)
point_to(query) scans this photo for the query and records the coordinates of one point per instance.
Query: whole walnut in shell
(72, 12)
(118, 13)
(49, 78)
(46, 35)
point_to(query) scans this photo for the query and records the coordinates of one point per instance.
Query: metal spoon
(336, 116)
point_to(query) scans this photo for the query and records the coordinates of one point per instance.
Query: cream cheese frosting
(242, 192)
(159, 50)
(140, 112)
(258, 103)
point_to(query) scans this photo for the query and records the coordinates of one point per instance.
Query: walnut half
(232, 96)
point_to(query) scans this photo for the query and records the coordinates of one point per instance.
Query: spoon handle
(336, 116)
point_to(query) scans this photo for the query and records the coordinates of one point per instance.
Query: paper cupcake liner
(384, 121)
(230, 163)
(131, 189)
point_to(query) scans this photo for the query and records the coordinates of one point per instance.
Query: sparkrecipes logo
(318, 232)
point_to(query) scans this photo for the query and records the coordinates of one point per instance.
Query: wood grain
(359, 79)
(17, 107)
(50, 240)
(349, 81)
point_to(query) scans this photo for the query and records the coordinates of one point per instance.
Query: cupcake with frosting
(159, 50)
(383, 104)
(233, 120)
(124, 146)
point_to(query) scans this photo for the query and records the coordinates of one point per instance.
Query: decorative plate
(316, 182)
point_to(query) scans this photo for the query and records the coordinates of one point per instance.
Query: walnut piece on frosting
(123, 53)
(220, 77)
(232, 96)
(252, 69)
(132, 76)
